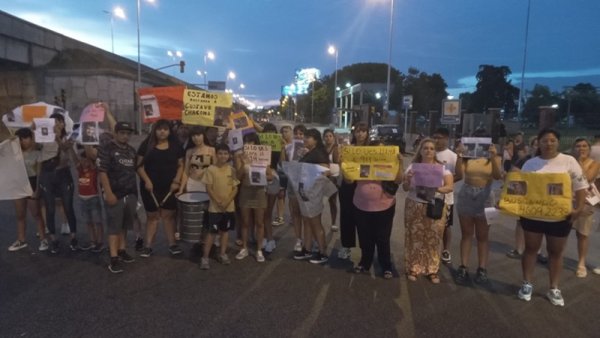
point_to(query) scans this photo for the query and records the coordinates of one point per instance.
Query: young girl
(90, 202)
(160, 165)
(199, 155)
(31, 157)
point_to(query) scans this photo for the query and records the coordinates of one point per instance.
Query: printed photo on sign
(234, 137)
(44, 130)
(555, 189)
(89, 133)
(365, 170)
(298, 150)
(517, 188)
(257, 176)
(476, 147)
(150, 106)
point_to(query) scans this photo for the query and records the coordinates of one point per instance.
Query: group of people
(174, 161)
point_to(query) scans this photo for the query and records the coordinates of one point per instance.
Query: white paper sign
(89, 133)
(257, 176)
(476, 147)
(44, 130)
(257, 155)
(235, 139)
(14, 181)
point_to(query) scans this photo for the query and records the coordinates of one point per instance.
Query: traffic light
(181, 66)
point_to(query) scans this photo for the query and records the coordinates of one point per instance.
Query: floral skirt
(422, 239)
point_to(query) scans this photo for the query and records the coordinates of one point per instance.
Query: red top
(88, 183)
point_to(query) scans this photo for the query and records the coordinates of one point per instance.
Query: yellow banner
(545, 196)
(370, 163)
(271, 139)
(199, 106)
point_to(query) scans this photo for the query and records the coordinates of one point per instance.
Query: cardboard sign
(370, 163)
(257, 155)
(199, 107)
(428, 175)
(546, 196)
(271, 139)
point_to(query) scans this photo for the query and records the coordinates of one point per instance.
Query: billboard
(302, 80)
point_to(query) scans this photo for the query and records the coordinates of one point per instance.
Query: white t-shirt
(448, 158)
(412, 193)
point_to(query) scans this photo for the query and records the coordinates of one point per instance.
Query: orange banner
(31, 112)
(161, 103)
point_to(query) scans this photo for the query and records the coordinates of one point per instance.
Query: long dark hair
(358, 127)
(543, 133)
(61, 118)
(197, 130)
(316, 135)
(151, 141)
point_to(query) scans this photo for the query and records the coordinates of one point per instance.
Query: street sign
(407, 101)
(450, 112)
(216, 85)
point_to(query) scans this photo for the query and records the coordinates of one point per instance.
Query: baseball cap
(124, 126)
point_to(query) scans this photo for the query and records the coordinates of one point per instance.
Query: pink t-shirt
(369, 196)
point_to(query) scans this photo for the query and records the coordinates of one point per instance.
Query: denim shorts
(472, 201)
(91, 210)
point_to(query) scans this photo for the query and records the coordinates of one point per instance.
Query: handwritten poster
(476, 146)
(199, 106)
(271, 139)
(428, 175)
(545, 196)
(258, 155)
(235, 139)
(44, 130)
(161, 103)
(239, 120)
(370, 163)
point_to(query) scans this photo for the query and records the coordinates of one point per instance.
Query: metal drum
(192, 209)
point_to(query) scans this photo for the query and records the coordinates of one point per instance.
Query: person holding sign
(478, 175)
(252, 200)
(160, 166)
(583, 224)
(375, 208)
(423, 233)
(550, 160)
(199, 155)
(332, 148)
(273, 187)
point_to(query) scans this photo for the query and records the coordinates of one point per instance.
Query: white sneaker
(43, 245)
(555, 297)
(17, 245)
(217, 241)
(242, 254)
(298, 246)
(596, 271)
(344, 253)
(270, 246)
(64, 229)
(259, 256)
(525, 291)
(335, 228)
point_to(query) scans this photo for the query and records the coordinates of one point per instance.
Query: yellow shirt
(478, 167)
(223, 181)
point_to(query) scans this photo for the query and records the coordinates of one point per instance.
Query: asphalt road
(73, 294)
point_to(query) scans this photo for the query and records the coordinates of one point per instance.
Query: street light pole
(112, 36)
(389, 70)
(139, 69)
(520, 104)
(333, 50)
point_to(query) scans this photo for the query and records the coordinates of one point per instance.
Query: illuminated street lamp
(334, 51)
(209, 55)
(139, 64)
(119, 13)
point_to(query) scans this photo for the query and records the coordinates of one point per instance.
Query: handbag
(390, 187)
(435, 208)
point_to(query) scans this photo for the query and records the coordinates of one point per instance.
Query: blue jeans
(58, 184)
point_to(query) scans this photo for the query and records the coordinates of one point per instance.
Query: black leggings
(58, 184)
(347, 215)
(375, 229)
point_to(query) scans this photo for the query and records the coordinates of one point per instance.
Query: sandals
(434, 278)
(359, 269)
(387, 274)
(581, 272)
(239, 242)
(411, 276)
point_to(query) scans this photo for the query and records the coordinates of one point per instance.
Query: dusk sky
(265, 41)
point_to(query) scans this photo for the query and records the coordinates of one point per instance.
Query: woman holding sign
(550, 160)
(583, 224)
(199, 156)
(478, 175)
(424, 217)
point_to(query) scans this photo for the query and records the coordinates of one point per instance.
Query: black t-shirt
(161, 165)
(118, 162)
(316, 156)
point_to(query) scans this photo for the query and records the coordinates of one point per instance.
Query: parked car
(390, 134)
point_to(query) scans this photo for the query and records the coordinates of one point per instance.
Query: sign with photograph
(370, 163)
(450, 112)
(89, 133)
(161, 103)
(546, 196)
(476, 146)
(44, 130)
(257, 155)
(272, 139)
(235, 139)
(199, 106)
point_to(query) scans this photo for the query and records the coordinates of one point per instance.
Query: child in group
(221, 184)
(90, 201)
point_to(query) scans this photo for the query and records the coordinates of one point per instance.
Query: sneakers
(125, 257)
(204, 264)
(115, 265)
(318, 258)
(64, 229)
(260, 257)
(17, 245)
(73, 245)
(270, 246)
(54, 247)
(481, 277)
(596, 271)
(446, 257)
(344, 253)
(298, 246)
(242, 254)
(335, 228)
(525, 291)
(139, 244)
(217, 241)
(542, 259)
(175, 250)
(87, 246)
(555, 297)
(278, 221)
(146, 252)
(224, 259)
(514, 254)
(43, 245)
(98, 247)
(462, 275)
(302, 255)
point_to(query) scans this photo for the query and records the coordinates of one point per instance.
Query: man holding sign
(555, 231)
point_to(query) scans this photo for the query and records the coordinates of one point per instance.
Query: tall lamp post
(139, 64)
(334, 51)
(389, 70)
(207, 56)
(520, 104)
(119, 13)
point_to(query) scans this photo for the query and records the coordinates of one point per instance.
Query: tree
(540, 95)
(494, 90)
